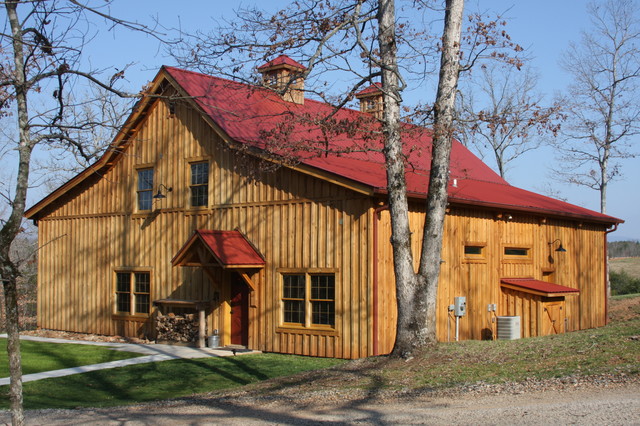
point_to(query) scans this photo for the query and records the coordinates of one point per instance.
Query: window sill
(317, 331)
(126, 317)
(196, 210)
(514, 260)
(471, 260)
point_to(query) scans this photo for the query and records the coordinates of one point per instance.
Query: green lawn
(613, 349)
(42, 356)
(161, 380)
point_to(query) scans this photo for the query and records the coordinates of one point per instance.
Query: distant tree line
(624, 249)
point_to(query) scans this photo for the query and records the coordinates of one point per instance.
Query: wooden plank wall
(478, 280)
(296, 221)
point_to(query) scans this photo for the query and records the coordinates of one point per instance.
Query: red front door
(239, 312)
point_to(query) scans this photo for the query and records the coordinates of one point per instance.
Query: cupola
(371, 100)
(284, 75)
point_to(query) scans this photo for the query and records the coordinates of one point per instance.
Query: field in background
(631, 265)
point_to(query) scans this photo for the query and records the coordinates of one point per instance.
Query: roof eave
(605, 220)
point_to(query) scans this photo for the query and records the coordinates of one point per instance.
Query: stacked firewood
(177, 328)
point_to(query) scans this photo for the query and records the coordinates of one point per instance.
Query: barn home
(186, 216)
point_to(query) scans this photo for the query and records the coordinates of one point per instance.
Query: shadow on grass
(159, 380)
(216, 409)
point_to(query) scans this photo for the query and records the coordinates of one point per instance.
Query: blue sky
(543, 27)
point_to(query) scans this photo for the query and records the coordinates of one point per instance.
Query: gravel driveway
(617, 404)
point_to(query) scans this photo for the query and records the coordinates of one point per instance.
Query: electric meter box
(460, 306)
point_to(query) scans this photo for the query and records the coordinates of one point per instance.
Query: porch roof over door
(226, 249)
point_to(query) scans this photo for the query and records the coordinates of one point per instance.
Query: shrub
(623, 283)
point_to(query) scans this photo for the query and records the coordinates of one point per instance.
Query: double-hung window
(145, 189)
(308, 300)
(133, 293)
(199, 184)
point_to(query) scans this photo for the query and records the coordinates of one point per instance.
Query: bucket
(214, 341)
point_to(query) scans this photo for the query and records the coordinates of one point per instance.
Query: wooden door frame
(236, 281)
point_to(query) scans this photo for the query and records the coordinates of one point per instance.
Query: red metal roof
(250, 114)
(282, 60)
(258, 117)
(544, 288)
(229, 248)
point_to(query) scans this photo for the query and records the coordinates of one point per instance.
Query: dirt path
(618, 405)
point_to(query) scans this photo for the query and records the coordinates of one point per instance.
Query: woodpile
(177, 328)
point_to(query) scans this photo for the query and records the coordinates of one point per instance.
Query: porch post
(201, 326)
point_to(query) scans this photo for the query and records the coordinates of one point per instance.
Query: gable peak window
(145, 189)
(199, 184)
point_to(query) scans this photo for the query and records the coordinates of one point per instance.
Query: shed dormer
(284, 75)
(371, 100)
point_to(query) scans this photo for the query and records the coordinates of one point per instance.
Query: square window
(294, 311)
(133, 293)
(308, 300)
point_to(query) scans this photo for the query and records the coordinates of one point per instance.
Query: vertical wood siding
(580, 267)
(296, 221)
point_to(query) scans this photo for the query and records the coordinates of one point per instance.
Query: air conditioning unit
(508, 328)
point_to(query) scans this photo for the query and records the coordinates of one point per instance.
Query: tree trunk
(12, 227)
(416, 294)
(444, 110)
(405, 276)
(13, 347)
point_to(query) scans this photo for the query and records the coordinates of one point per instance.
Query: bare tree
(106, 114)
(501, 115)
(367, 40)
(602, 104)
(417, 293)
(43, 42)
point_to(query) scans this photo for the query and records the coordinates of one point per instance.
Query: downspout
(376, 219)
(606, 273)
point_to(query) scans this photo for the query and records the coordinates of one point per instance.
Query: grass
(41, 356)
(160, 380)
(625, 296)
(613, 349)
(631, 265)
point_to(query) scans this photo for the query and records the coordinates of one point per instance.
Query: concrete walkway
(152, 352)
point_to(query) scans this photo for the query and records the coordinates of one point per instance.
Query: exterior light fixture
(160, 195)
(560, 249)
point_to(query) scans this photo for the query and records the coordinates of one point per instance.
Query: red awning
(229, 249)
(543, 288)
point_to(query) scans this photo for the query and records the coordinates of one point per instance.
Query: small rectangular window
(145, 189)
(473, 251)
(199, 184)
(516, 252)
